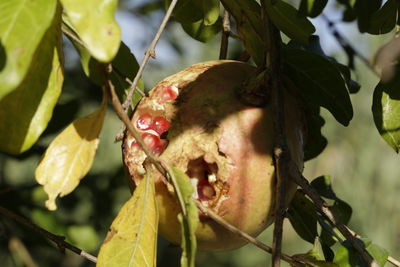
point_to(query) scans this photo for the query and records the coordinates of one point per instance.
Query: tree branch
(226, 29)
(59, 240)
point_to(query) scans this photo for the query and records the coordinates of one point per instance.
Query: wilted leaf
(188, 218)
(22, 27)
(320, 82)
(132, 237)
(26, 111)
(386, 111)
(202, 32)
(287, 19)
(312, 8)
(70, 156)
(303, 217)
(95, 24)
(347, 256)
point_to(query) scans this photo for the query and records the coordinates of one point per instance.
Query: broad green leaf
(249, 25)
(191, 11)
(132, 237)
(364, 10)
(200, 31)
(303, 217)
(124, 66)
(312, 8)
(26, 111)
(70, 156)
(316, 142)
(347, 256)
(287, 19)
(384, 20)
(95, 24)
(323, 186)
(342, 211)
(320, 82)
(189, 217)
(22, 27)
(386, 111)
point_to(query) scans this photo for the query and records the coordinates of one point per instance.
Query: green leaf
(347, 256)
(26, 111)
(316, 142)
(323, 186)
(386, 111)
(70, 156)
(22, 22)
(342, 211)
(303, 217)
(312, 8)
(189, 217)
(132, 237)
(200, 31)
(384, 20)
(249, 26)
(190, 11)
(124, 65)
(95, 24)
(287, 19)
(364, 10)
(320, 82)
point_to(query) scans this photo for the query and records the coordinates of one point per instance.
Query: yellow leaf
(132, 238)
(70, 156)
(95, 24)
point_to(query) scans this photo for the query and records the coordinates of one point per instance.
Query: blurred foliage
(363, 169)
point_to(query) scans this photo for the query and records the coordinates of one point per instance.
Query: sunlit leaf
(287, 19)
(70, 156)
(200, 31)
(26, 111)
(190, 11)
(320, 83)
(188, 218)
(386, 111)
(95, 24)
(347, 256)
(132, 237)
(303, 217)
(312, 8)
(22, 27)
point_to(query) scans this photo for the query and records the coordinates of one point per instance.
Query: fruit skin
(209, 123)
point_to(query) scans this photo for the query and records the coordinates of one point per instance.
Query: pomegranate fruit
(195, 121)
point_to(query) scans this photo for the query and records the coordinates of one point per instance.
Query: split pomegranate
(195, 121)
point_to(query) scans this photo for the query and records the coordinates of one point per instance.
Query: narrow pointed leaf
(95, 24)
(22, 27)
(132, 237)
(189, 217)
(26, 111)
(287, 19)
(386, 111)
(70, 155)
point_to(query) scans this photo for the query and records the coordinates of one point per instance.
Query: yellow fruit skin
(210, 122)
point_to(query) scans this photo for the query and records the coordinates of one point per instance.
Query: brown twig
(218, 219)
(150, 52)
(324, 209)
(226, 29)
(59, 240)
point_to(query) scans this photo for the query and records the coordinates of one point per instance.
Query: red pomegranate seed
(151, 140)
(162, 145)
(168, 93)
(144, 121)
(160, 125)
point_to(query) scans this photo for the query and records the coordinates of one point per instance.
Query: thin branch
(226, 27)
(347, 47)
(324, 209)
(150, 52)
(242, 234)
(59, 240)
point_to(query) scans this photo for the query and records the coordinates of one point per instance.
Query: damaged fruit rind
(209, 128)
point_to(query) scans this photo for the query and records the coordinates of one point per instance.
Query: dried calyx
(194, 121)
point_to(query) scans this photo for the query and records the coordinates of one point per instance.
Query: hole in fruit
(203, 175)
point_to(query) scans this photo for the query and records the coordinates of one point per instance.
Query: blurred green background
(365, 172)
